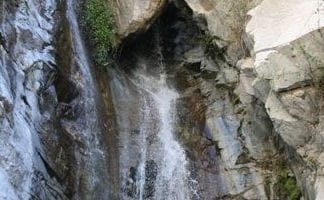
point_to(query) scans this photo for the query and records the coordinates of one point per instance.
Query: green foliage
(292, 189)
(286, 185)
(100, 26)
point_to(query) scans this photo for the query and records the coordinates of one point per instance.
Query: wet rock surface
(249, 110)
(27, 67)
(46, 154)
(227, 141)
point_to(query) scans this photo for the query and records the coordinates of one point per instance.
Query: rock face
(229, 144)
(284, 74)
(290, 66)
(51, 148)
(289, 21)
(136, 15)
(292, 71)
(249, 77)
(225, 19)
(27, 62)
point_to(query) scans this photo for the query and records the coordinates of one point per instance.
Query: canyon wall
(249, 78)
(272, 61)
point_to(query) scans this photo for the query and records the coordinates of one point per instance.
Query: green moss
(100, 26)
(292, 189)
(286, 186)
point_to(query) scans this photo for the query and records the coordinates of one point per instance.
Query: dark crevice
(174, 30)
(24, 98)
(51, 172)
(2, 41)
(65, 88)
(59, 148)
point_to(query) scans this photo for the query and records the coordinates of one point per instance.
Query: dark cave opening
(175, 31)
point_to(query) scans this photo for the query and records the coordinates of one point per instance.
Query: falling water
(93, 161)
(160, 161)
(143, 140)
(172, 181)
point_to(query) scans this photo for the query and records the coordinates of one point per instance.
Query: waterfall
(173, 175)
(153, 164)
(91, 162)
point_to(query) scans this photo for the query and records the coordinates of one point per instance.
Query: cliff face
(27, 65)
(248, 77)
(282, 69)
(133, 16)
(289, 62)
(51, 141)
(272, 60)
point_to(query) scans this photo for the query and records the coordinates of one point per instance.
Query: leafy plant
(286, 186)
(100, 26)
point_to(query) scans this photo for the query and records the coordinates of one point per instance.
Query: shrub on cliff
(100, 27)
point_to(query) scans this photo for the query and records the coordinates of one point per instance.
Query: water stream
(163, 123)
(153, 163)
(172, 174)
(92, 171)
